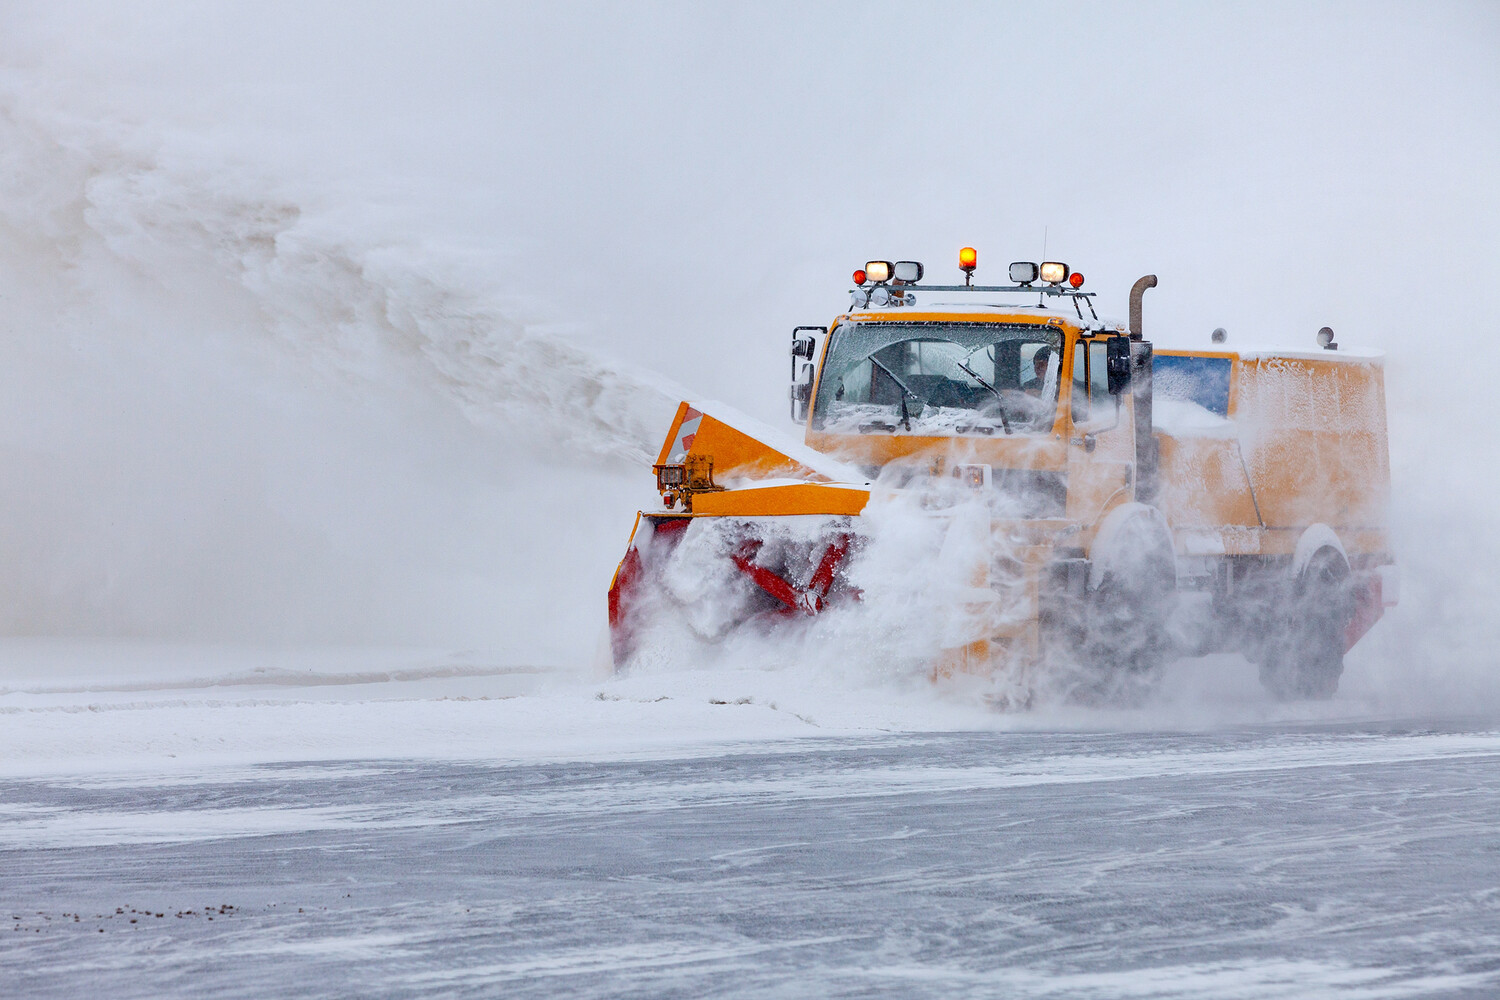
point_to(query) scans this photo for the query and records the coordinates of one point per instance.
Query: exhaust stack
(1147, 459)
(1137, 290)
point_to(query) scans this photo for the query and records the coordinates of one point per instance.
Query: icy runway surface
(1345, 860)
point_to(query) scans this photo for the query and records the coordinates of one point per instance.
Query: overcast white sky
(1280, 166)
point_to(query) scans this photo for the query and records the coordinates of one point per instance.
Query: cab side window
(1080, 394)
(1091, 398)
(1100, 400)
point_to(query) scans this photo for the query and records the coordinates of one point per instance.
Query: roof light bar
(883, 284)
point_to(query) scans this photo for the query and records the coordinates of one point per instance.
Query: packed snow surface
(362, 822)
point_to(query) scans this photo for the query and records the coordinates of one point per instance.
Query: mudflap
(1372, 595)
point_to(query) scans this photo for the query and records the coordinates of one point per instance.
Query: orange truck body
(1260, 464)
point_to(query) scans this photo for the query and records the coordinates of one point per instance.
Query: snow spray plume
(930, 572)
(232, 412)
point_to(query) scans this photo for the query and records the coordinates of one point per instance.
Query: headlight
(1054, 272)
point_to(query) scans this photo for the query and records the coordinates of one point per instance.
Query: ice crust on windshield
(930, 421)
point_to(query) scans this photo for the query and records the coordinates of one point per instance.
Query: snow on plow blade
(764, 531)
(710, 575)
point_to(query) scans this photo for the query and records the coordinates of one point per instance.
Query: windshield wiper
(905, 391)
(999, 404)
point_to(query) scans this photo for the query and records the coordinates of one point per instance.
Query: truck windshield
(939, 378)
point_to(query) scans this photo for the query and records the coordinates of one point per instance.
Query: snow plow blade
(779, 538)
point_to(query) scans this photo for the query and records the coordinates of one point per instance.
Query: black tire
(1303, 658)
(1124, 646)
(1108, 644)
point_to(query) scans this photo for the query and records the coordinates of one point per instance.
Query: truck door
(1101, 434)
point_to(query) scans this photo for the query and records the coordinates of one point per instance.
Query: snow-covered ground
(401, 823)
(90, 707)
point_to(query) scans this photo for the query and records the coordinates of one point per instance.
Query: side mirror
(804, 348)
(1117, 364)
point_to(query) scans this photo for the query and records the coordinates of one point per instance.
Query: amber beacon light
(968, 260)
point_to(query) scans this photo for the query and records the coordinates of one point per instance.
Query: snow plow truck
(1137, 505)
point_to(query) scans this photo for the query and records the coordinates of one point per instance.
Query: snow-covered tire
(1119, 645)
(1303, 657)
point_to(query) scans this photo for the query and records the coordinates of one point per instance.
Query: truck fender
(1127, 535)
(1316, 538)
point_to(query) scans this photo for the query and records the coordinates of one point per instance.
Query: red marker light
(859, 276)
(1075, 279)
(968, 260)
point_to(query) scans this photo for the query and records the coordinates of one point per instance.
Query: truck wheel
(1123, 645)
(1304, 657)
